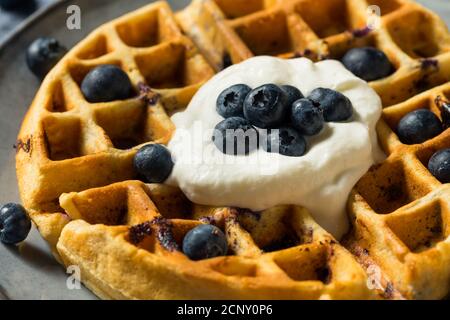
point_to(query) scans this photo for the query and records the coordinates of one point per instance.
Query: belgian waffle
(74, 160)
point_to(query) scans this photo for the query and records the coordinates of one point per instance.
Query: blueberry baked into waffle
(83, 148)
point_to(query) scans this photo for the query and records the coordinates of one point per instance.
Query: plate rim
(28, 22)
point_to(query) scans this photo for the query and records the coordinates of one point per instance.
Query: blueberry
(14, 223)
(266, 106)
(235, 136)
(368, 63)
(307, 118)
(231, 101)
(153, 162)
(419, 126)
(439, 165)
(286, 141)
(335, 106)
(293, 94)
(106, 83)
(43, 54)
(205, 242)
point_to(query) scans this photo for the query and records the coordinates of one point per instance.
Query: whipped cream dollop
(320, 181)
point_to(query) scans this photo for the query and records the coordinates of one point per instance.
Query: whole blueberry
(368, 63)
(14, 223)
(335, 106)
(266, 106)
(153, 162)
(439, 165)
(419, 126)
(236, 136)
(307, 118)
(230, 102)
(205, 242)
(106, 83)
(286, 141)
(293, 94)
(43, 54)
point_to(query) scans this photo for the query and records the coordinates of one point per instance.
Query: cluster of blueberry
(283, 111)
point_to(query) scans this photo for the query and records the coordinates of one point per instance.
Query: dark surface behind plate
(9, 19)
(30, 271)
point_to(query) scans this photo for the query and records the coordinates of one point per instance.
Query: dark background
(10, 19)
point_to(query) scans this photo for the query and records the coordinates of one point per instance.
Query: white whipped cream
(319, 181)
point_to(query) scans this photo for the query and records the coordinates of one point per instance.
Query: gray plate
(29, 271)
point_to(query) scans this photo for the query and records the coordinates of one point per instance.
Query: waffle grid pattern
(103, 137)
(314, 266)
(401, 213)
(67, 146)
(415, 39)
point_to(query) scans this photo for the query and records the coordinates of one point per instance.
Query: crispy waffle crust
(74, 160)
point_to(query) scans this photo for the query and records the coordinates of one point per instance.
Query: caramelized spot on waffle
(388, 291)
(24, 146)
(393, 192)
(429, 63)
(208, 220)
(139, 232)
(147, 94)
(165, 234)
(361, 32)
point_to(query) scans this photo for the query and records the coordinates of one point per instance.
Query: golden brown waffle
(125, 236)
(415, 39)
(67, 144)
(401, 213)
(144, 262)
